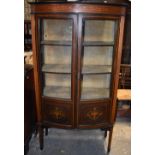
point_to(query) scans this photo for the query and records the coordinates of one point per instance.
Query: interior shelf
(94, 93)
(57, 68)
(98, 43)
(96, 69)
(57, 92)
(62, 43)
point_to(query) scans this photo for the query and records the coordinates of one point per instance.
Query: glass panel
(57, 59)
(57, 30)
(95, 86)
(99, 30)
(97, 59)
(57, 85)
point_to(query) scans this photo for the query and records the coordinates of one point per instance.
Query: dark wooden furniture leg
(46, 131)
(41, 134)
(105, 134)
(110, 138)
(36, 132)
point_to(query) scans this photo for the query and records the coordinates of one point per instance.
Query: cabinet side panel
(117, 67)
(36, 70)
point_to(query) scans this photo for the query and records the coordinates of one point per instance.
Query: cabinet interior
(96, 58)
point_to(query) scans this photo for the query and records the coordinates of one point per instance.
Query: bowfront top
(102, 2)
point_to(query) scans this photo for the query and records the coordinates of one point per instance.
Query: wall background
(26, 10)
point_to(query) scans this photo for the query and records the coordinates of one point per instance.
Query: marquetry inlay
(57, 113)
(94, 114)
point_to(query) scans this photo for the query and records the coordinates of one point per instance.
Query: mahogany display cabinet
(77, 50)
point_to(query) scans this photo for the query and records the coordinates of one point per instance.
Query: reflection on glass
(99, 30)
(57, 30)
(95, 86)
(57, 85)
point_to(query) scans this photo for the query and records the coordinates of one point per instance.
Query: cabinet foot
(41, 137)
(41, 147)
(36, 132)
(108, 150)
(105, 134)
(46, 131)
(110, 138)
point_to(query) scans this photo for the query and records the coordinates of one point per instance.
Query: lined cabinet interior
(99, 30)
(56, 48)
(66, 76)
(97, 58)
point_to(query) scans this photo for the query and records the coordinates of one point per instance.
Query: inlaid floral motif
(57, 113)
(94, 114)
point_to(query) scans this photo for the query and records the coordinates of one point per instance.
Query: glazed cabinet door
(57, 49)
(97, 46)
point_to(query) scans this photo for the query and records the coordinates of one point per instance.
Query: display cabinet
(77, 52)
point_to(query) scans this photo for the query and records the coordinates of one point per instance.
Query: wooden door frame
(116, 60)
(37, 62)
